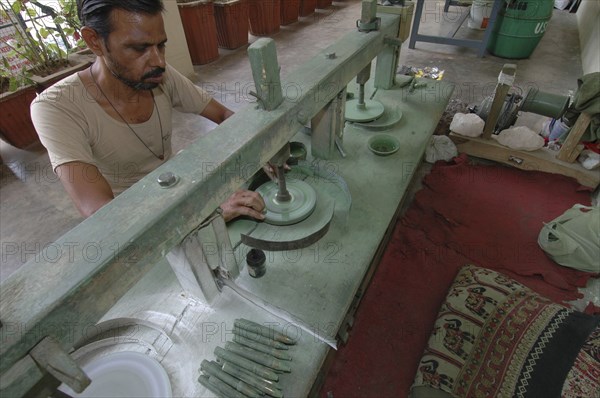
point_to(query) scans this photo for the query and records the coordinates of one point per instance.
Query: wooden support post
(202, 253)
(505, 81)
(49, 355)
(227, 262)
(387, 60)
(368, 12)
(265, 71)
(20, 378)
(387, 64)
(328, 124)
(570, 148)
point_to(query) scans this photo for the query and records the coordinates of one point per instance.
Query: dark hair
(95, 14)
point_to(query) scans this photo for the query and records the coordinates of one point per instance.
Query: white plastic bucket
(480, 14)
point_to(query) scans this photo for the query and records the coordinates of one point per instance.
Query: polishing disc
(124, 374)
(300, 206)
(371, 111)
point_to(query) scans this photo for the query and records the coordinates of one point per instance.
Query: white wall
(588, 21)
(178, 54)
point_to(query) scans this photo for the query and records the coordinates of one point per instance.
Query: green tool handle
(258, 338)
(213, 369)
(227, 390)
(263, 331)
(262, 348)
(263, 385)
(257, 357)
(242, 362)
(210, 387)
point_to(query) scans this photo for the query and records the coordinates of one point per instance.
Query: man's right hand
(243, 203)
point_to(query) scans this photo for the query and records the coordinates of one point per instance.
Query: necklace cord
(162, 142)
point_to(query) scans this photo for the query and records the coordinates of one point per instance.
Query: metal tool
(361, 110)
(263, 385)
(258, 357)
(246, 334)
(286, 202)
(261, 347)
(247, 364)
(264, 331)
(213, 369)
(501, 109)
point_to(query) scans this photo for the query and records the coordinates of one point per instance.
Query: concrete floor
(35, 210)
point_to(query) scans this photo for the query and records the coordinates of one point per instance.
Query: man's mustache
(154, 73)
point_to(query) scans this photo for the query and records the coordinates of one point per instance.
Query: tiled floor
(34, 209)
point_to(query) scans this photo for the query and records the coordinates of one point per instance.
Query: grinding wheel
(389, 118)
(300, 206)
(291, 237)
(332, 195)
(369, 112)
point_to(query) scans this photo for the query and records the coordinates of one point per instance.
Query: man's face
(136, 49)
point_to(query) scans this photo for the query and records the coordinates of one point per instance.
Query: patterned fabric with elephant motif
(495, 337)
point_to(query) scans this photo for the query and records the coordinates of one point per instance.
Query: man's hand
(243, 203)
(271, 170)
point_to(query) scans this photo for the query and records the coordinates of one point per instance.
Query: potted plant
(35, 51)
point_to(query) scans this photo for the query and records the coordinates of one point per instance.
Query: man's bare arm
(86, 186)
(216, 112)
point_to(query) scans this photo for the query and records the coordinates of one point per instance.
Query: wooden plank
(387, 60)
(265, 71)
(504, 84)
(73, 282)
(570, 149)
(49, 355)
(541, 160)
(406, 13)
(21, 377)
(326, 126)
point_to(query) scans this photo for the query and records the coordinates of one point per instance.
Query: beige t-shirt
(73, 127)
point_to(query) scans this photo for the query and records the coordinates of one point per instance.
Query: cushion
(495, 337)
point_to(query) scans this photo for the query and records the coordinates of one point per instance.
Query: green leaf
(59, 20)
(44, 33)
(16, 7)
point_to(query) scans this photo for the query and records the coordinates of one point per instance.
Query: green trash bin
(519, 27)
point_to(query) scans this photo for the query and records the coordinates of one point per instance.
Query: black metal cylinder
(256, 263)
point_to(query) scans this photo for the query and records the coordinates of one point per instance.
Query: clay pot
(264, 17)
(231, 18)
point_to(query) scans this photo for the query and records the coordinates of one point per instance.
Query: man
(108, 126)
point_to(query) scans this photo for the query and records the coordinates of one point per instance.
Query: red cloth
(592, 146)
(485, 215)
(492, 215)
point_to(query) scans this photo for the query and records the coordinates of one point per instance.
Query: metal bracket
(368, 26)
(392, 41)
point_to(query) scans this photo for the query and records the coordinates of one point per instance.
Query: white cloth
(467, 124)
(440, 147)
(521, 138)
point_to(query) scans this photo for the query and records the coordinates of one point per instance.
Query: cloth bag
(440, 147)
(573, 238)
